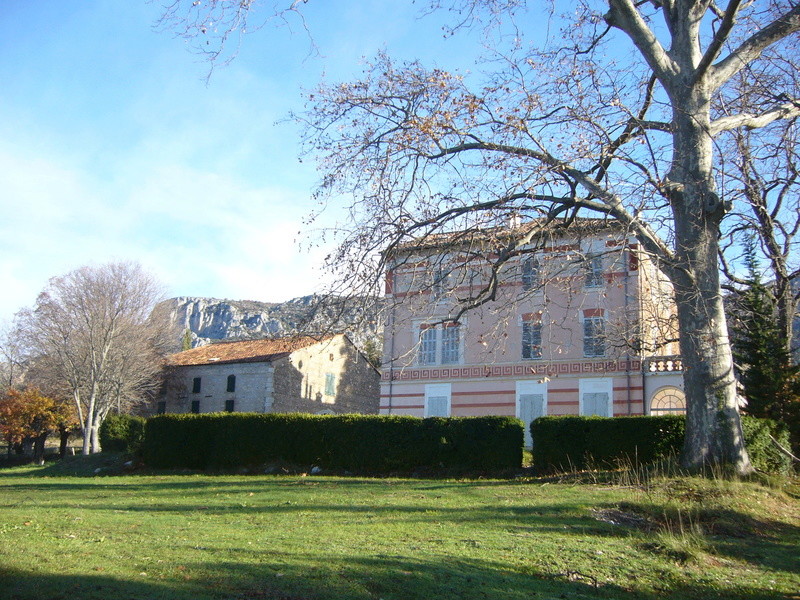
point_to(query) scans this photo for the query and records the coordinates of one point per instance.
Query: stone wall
(304, 381)
(253, 389)
(300, 382)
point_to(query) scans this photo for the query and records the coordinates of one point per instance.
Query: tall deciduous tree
(767, 171)
(619, 120)
(93, 334)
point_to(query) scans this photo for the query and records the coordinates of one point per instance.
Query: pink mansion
(567, 320)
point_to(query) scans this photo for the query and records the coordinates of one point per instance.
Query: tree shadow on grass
(297, 577)
(762, 541)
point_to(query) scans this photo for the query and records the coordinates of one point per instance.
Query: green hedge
(122, 433)
(359, 443)
(568, 443)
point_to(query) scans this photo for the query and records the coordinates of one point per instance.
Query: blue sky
(112, 146)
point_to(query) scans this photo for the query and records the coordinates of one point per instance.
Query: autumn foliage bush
(28, 415)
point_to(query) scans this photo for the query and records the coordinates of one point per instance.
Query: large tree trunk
(95, 434)
(713, 428)
(86, 448)
(38, 449)
(64, 434)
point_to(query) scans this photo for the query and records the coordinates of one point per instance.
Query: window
(330, 384)
(439, 344)
(668, 400)
(594, 270)
(594, 339)
(450, 343)
(439, 283)
(427, 345)
(195, 406)
(196, 385)
(437, 400)
(229, 404)
(161, 408)
(530, 273)
(531, 338)
(596, 396)
(231, 383)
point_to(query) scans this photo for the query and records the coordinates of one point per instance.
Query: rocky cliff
(211, 319)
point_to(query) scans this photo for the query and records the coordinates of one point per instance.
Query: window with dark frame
(594, 340)
(231, 387)
(229, 405)
(530, 273)
(195, 406)
(196, 383)
(531, 339)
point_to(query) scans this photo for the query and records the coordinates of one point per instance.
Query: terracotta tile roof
(243, 351)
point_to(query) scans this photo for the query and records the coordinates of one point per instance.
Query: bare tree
(92, 334)
(11, 356)
(762, 178)
(619, 119)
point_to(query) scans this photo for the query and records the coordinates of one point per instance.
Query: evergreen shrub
(122, 433)
(575, 443)
(358, 443)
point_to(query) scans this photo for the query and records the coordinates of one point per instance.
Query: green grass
(290, 538)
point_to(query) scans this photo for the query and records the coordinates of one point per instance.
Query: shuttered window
(594, 339)
(437, 400)
(531, 340)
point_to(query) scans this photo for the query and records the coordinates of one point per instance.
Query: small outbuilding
(326, 375)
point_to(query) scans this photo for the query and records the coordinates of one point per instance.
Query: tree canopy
(619, 115)
(93, 336)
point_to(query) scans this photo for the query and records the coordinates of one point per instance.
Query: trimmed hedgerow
(122, 433)
(358, 443)
(567, 443)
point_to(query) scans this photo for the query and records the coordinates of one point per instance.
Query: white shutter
(437, 406)
(531, 404)
(595, 396)
(437, 400)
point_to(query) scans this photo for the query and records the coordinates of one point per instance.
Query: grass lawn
(290, 538)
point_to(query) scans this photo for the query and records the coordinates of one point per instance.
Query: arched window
(231, 383)
(668, 401)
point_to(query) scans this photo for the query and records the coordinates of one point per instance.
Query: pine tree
(770, 380)
(186, 343)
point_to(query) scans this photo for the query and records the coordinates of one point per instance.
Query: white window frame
(428, 336)
(438, 341)
(596, 385)
(447, 354)
(594, 275)
(438, 390)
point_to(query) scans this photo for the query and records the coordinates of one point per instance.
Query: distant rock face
(211, 319)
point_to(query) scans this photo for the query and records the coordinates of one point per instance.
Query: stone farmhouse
(299, 374)
(573, 320)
